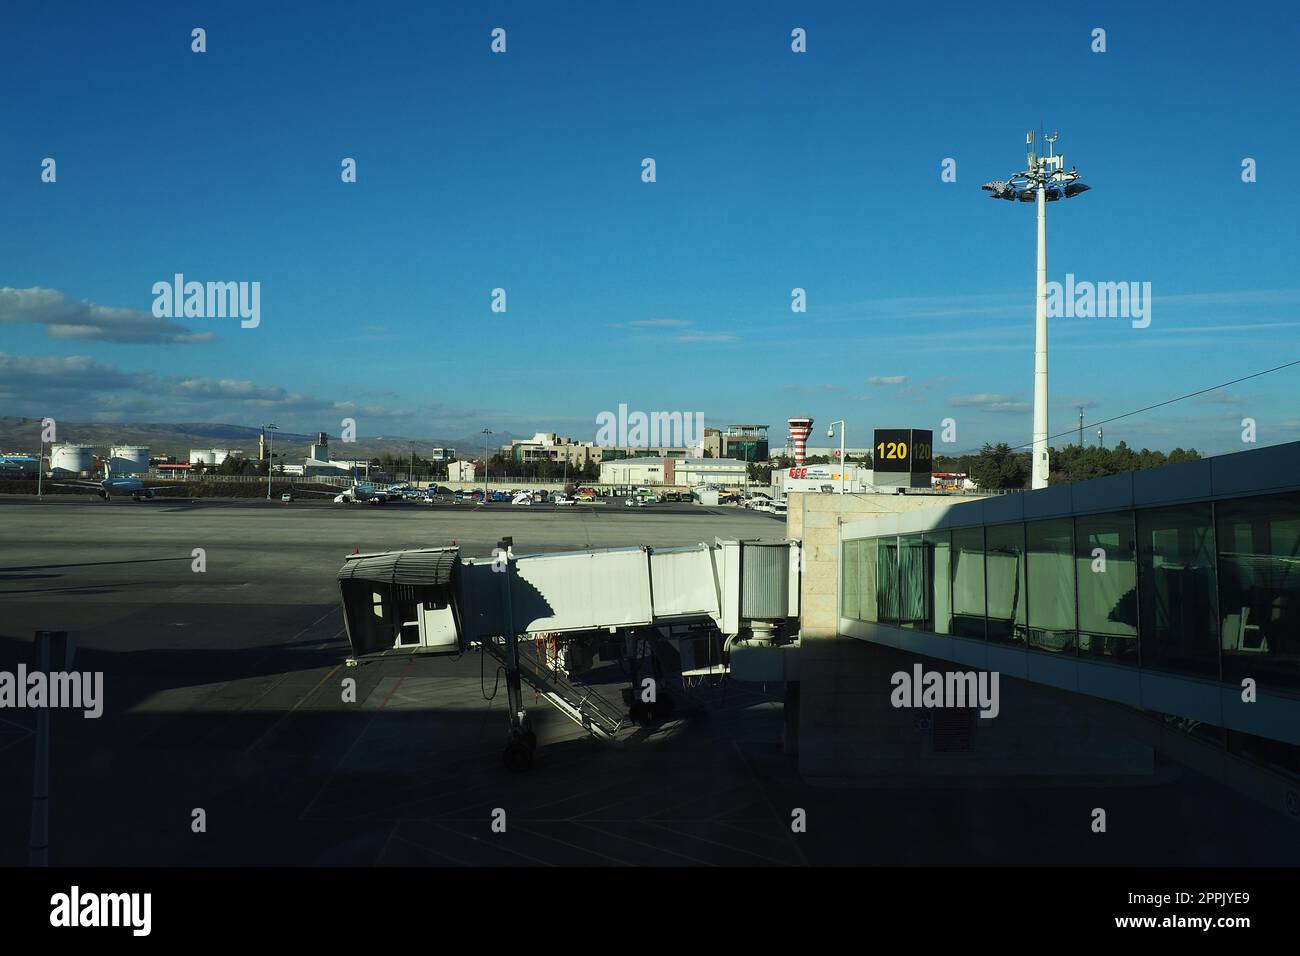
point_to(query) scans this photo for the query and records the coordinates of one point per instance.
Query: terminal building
(1131, 614)
(548, 446)
(673, 472)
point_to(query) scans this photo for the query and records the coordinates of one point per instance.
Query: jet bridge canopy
(430, 567)
(401, 599)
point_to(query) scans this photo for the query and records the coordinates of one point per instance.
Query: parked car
(634, 502)
(523, 498)
(761, 506)
(561, 499)
(286, 497)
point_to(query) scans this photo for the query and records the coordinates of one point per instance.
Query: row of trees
(1000, 467)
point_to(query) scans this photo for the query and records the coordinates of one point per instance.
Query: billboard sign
(903, 457)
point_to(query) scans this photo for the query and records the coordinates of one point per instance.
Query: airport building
(548, 446)
(823, 478)
(833, 453)
(333, 468)
(1159, 600)
(744, 443)
(673, 472)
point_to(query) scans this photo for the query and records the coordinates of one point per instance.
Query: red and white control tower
(800, 429)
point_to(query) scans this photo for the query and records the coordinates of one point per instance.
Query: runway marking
(651, 846)
(495, 846)
(725, 846)
(299, 703)
(409, 661)
(323, 644)
(15, 742)
(420, 846)
(581, 849)
(257, 743)
(763, 793)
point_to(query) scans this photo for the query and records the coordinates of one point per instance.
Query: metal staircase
(582, 704)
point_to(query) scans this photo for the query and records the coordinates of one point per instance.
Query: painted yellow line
(316, 688)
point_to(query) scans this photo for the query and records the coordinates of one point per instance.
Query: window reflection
(968, 582)
(1179, 619)
(1050, 564)
(1004, 571)
(1106, 573)
(1259, 580)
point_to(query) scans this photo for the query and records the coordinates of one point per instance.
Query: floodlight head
(1052, 195)
(1073, 189)
(1027, 195)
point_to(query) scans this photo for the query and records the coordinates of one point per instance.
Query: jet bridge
(433, 601)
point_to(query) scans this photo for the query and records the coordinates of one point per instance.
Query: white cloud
(66, 318)
(1002, 404)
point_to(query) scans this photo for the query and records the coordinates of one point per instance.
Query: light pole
(830, 433)
(270, 455)
(39, 469)
(1045, 180)
(486, 434)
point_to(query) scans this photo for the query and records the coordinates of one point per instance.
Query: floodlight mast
(1045, 179)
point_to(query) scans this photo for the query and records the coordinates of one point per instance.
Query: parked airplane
(121, 485)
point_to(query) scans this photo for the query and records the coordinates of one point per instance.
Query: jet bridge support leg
(520, 740)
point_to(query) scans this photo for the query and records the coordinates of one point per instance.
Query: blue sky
(775, 170)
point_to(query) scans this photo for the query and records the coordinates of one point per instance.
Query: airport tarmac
(223, 701)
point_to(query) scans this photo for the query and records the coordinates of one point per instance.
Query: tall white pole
(1040, 351)
(843, 429)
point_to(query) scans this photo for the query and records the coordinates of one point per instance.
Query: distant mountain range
(177, 438)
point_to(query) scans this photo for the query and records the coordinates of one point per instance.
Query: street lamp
(486, 434)
(830, 433)
(40, 455)
(1045, 180)
(270, 455)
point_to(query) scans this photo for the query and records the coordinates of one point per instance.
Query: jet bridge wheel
(652, 713)
(518, 755)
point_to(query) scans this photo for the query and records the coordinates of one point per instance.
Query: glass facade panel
(1050, 566)
(938, 549)
(887, 580)
(1211, 591)
(1259, 588)
(968, 582)
(1106, 574)
(1004, 571)
(1177, 591)
(914, 579)
(850, 579)
(867, 561)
